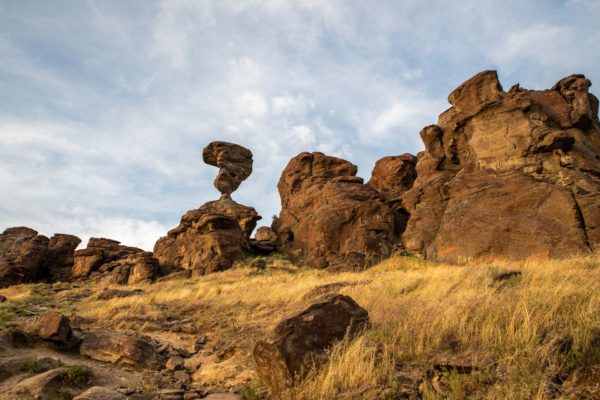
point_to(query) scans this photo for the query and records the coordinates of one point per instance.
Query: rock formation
(214, 236)
(234, 163)
(119, 348)
(508, 174)
(22, 255)
(98, 252)
(60, 260)
(329, 218)
(300, 342)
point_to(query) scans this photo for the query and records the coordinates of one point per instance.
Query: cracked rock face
(508, 174)
(234, 163)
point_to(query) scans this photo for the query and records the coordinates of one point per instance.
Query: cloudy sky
(106, 105)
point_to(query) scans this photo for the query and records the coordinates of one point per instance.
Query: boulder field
(504, 174)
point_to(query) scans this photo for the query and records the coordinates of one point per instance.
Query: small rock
(175, 363)
(2, 298)
(182, 376)
(200, 343)
(504, 276)
(224, 396)
(100, 393)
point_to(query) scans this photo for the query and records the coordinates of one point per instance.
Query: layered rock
(137, 268)
(508, 174)
(301, 341)
(98, 252)
(23, 255)
(213, 237)
(234, 163)
(329, 218)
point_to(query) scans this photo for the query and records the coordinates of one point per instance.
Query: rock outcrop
(234, 163)
(22, 255)
(213, 237)
(60, 259)
(329, 218)
(54, 327)
(98, 252)
(508, 174)
(300, 342)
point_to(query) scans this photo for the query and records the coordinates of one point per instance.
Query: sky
(105, 105)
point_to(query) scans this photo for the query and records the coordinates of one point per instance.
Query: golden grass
(523, 335)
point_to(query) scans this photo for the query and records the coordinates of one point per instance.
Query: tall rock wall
(508, 174)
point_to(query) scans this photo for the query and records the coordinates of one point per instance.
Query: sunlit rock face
(508, 174)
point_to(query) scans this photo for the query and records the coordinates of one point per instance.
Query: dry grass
(523, 335)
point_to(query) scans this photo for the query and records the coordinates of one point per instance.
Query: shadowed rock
(22, 255)
(508, 174)
(300, 342)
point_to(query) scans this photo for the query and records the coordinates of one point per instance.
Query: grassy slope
(522, 335)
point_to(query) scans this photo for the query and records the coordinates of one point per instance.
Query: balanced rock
(60, 260)
(300, 342)
(22, 255)
(508, 174)
(234, 163)
(99, 251)
(329, 218)
(208, 239)
(119, 348)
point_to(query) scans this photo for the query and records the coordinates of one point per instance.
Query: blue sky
(106, 105)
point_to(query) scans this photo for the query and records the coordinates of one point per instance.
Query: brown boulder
(208, 239)
(119, 348)
(234, 163)
(300, 342)
(55, 327)
(22, 255)
(60, 259)
(265, 234)
(329, 218)
(392, 176)
(508, 174)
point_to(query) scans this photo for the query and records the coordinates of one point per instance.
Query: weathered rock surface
(208, 239)
(49, 385)
(300, 341)
(234, 163)
(582, 384)
(100, 393)
(98, 252)
(55, 327)
(329, 218)
(119, 348)
(508, 174)
(60, 258)
(22, 255)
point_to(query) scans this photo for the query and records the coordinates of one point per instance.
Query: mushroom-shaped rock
(301, 341)
(234, 163)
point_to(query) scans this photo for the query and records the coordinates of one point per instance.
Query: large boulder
(23, 255)
(119, 348)
(55, 327)
(60, 259)
(98, 252)
(508, 174)
(329, 218)
(207, 240)
(234, 163)
(301, 341)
